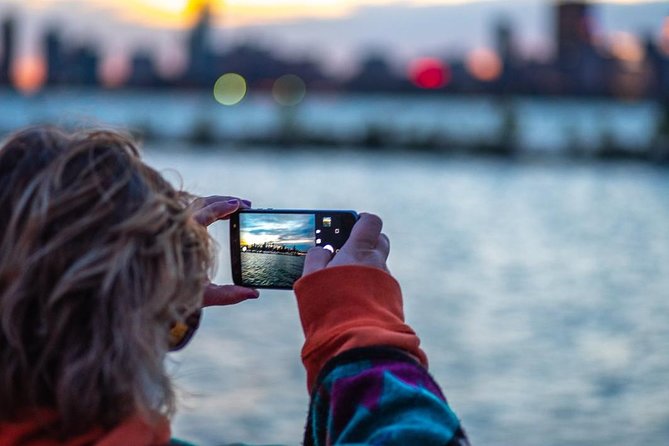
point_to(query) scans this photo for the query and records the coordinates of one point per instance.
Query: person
(104, 269)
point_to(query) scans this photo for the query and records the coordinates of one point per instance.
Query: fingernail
(233, 201)
(254, 295)
(247, 202)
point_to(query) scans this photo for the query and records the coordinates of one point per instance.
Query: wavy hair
(99, 255)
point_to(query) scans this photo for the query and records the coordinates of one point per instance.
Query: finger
(366, 231)
(201, 202)
(218, 210)
(217, 295)
(383, 245)
(206, 201)
(317, 258)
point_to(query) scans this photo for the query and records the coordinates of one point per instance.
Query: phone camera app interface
(328, 232)
(273, 247)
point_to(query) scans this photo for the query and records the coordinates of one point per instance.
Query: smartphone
(268, 246)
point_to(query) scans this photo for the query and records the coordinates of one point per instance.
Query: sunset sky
(282, 229)
(178, 13)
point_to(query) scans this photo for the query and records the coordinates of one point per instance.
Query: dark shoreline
(292, 254)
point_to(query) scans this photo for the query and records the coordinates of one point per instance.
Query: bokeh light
(484, 64)
(29, 74)
(230, 89)
(429, 73)
(627, 48)
(664, 36)
(289, 90)
(114, 71)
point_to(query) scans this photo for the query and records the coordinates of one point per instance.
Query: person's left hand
(209, 210)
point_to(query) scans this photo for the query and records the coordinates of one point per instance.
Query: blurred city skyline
(121, 27)
(154, 34)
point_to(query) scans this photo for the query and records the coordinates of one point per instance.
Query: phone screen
(268, 247)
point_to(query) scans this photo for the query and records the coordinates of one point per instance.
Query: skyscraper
(54, 57)
(504, 44)
(200, 53)
(581, 67)
(8, 33)
(143, 71)
(573, 29)
(505, 47)
(83, 66)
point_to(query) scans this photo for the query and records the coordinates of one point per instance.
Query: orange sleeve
(38, 427)
(351, 306)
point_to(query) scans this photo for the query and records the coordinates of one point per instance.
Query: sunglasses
(182, 332)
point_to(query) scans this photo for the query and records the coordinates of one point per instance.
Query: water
(259, 269)
(540, 292)
(543, 124)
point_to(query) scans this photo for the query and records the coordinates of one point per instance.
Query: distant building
(8, 35)
(573, 29)
(504, 41)
(83, 67)
(375, 74)
(143, 71)
(578, 61)
(54, 57)
(505, 48)
(200, 69)
(657, 64)
(260, 67)
(254, 63)
(69, 66)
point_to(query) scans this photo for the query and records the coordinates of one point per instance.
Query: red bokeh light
(429, 73)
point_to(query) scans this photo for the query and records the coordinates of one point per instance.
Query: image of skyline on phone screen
(273, 247)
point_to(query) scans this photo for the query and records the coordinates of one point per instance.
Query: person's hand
(208, 210)
(366, 246)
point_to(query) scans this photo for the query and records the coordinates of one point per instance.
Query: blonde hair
(99, 255)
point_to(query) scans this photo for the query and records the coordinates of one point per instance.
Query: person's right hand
(351, 307)
(367, 246)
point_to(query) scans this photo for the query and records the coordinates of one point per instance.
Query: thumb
(317, 258)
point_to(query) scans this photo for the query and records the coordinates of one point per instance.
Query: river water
(277, 270)
(542, 124)
(540, 292)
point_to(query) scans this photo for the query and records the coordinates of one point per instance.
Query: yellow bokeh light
(289, 90)
(230, 89)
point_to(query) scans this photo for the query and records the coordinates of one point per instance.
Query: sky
(285, 229)
(337, 32)
(176, 13)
